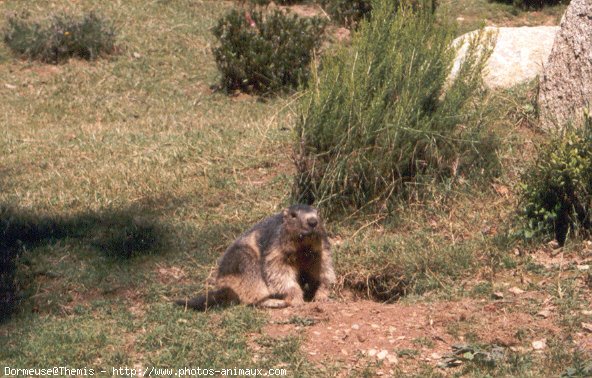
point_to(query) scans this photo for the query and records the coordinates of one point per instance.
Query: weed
(62, 37)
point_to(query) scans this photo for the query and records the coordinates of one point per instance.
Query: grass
(92, 149)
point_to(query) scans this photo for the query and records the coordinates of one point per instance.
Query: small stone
(355, 326)
(586, 312)
(372, 352)
(392, 359)
(539, 344)
(498, 295)
(382, 354)
(435, 356)
(374, 326)
(391, 329)
(137, 55)
(10, 86)
(344, 352)
(544, 313)
(401, 338)
(361, 338)
(515, 290)
(583, 267)
(587, 326)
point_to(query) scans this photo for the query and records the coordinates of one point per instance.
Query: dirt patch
(356, 333)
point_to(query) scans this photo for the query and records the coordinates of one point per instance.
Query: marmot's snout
(312, 222)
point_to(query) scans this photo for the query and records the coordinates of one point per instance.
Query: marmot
(283, 260)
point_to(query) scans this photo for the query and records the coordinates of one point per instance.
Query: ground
(140, 152)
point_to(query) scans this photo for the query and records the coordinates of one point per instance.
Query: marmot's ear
(285, 212)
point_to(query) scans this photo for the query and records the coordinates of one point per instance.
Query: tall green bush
(556, 192)
(382, 112)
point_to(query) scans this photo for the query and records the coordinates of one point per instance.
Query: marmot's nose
(312, 222)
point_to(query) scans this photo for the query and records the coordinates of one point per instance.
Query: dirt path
(353, 334)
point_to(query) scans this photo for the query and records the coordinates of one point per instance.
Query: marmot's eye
(293, 215)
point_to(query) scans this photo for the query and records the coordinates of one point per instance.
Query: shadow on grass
(119, 233)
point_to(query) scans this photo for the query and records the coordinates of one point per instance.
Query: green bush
(62, 37)
(347, 12)
(350, 12)
(532, 4)
(556, 192)
(377, 117)
(265, 53)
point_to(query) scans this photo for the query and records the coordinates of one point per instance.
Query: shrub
(347, 12)
(556, 192)
(62, 37)
(532, 4)
(376, 117)
(351, 12)
(265, 54)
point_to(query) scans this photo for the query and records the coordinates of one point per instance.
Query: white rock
(518, 56)
(539, 344)
(382, 354)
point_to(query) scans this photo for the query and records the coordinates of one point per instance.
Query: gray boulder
(566, 83)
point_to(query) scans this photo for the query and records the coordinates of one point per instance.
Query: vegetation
(347, 12)
(533, 4)
(265, 53)
(62, 37)
(378, 117)
(557, 189)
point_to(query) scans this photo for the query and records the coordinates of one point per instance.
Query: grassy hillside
(137, 153)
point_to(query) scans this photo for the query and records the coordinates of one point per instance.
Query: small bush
(350, 12)
(62, 37)
(347, 12)
(532, 4)
(265, 54)
(556, 192)
(376, 118)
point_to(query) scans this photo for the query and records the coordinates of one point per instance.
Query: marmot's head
(302, 221)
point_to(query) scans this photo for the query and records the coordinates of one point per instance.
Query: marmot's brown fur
(283, 260)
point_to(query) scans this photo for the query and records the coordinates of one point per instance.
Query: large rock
(566, 83)
(518, 56)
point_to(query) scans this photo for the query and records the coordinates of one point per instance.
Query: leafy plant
(556, 192)
(383, 114)
(62, 37)
(265, 53)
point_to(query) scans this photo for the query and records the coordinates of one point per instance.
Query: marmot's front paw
(322, 296)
